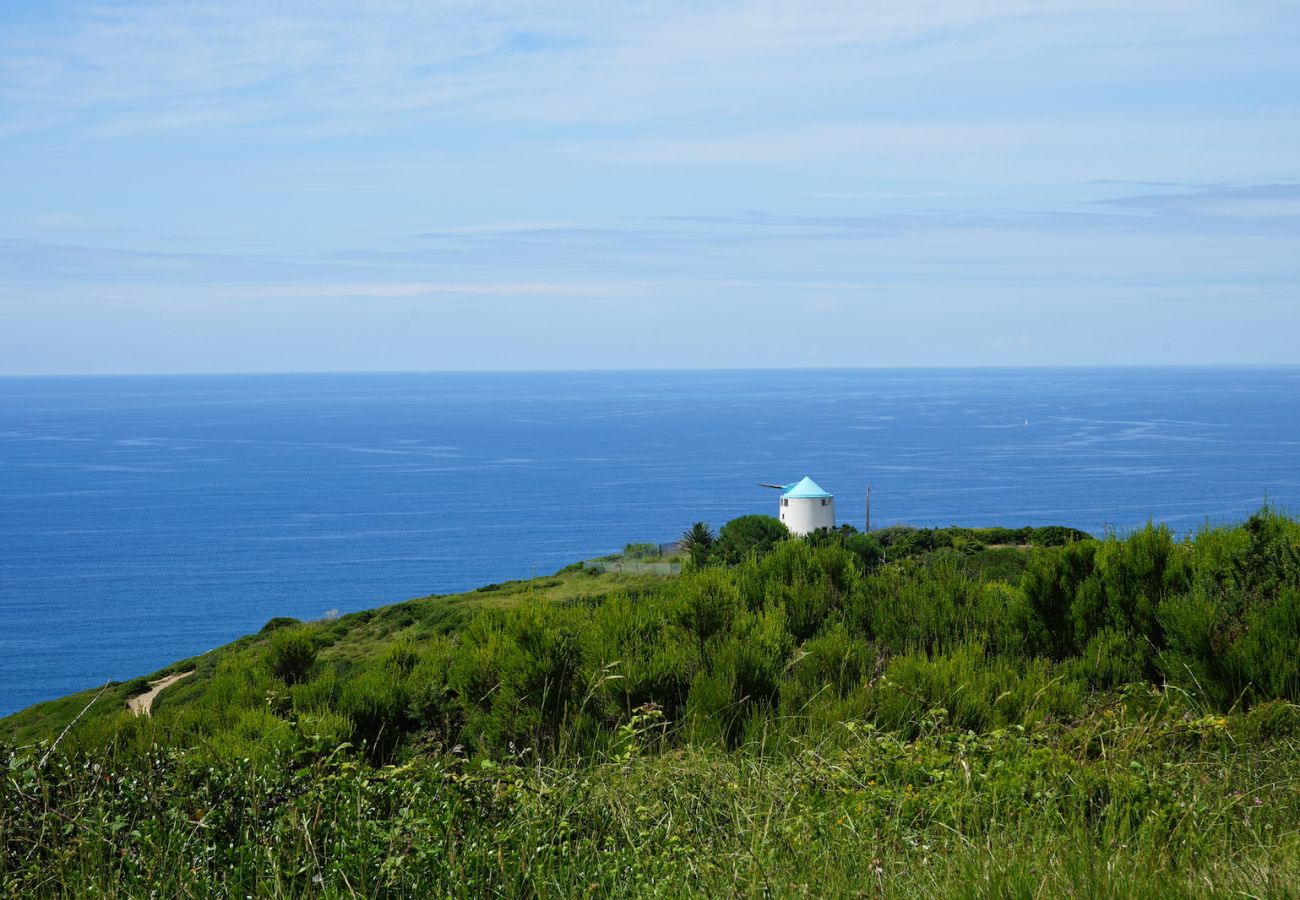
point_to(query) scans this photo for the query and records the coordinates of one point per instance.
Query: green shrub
(319, 693)
(1270, 560)
(518, 674)
(971, 691)
(135, 687)
(324, 729)
(997, 564)
(1130, 579)
(811, 583)
(1111, 659)
(891, 535)
(911, 607)
(915, 541)
(710, 601)
(290, 654)
(1267, 655)
(748, 536)
(1272, 720)
(743, 676)
(1056, 536)
(1196, 652)
(639, 652)
(376, 701)
(1052, 581)
(432, 701)
(1003, 536)
(401, 657)
(866, 548)
(832, 663)
(641, 551)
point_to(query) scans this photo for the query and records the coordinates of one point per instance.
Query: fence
(633, 567)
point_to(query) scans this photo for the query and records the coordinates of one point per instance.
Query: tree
(750, 534)
(697, 541)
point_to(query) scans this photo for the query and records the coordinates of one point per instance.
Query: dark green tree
(749, 535)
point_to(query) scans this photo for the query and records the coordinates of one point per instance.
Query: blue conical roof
(804, 490)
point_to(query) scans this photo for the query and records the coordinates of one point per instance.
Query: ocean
(146, 519)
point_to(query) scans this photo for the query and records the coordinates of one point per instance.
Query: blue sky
(251, 186)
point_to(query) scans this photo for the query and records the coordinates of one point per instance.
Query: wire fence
(633, 567)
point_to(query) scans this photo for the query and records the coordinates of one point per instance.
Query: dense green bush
(638, 652)
(710, 601)
(377, 702)
(641, 551)
(834, 662)
(290, 654)
(748, 536)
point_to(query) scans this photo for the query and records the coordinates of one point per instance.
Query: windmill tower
(805, 507)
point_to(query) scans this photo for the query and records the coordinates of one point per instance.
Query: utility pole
(868, 528)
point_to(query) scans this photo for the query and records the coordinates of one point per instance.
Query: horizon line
(664, 369)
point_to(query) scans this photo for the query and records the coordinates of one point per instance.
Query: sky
(375, 186)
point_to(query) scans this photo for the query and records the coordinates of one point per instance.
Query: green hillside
(912, 712)
(339, 644)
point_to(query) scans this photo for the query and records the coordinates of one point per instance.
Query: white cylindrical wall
(804, 515)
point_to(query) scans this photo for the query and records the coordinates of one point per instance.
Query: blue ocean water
(144, 519)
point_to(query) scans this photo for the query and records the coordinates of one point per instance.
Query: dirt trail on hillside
(142, 705)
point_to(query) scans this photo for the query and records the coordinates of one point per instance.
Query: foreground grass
(1140, 799)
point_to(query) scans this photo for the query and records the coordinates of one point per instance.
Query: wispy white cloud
(541, 226)
(434, 290)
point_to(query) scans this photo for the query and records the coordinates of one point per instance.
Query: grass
(1126, 803)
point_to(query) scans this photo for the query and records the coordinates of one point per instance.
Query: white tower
(805, 507)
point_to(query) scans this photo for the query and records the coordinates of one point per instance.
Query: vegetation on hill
(957, 711)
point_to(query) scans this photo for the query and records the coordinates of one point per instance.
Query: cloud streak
(1262, 202)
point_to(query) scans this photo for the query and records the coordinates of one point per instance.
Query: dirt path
(142, 704)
